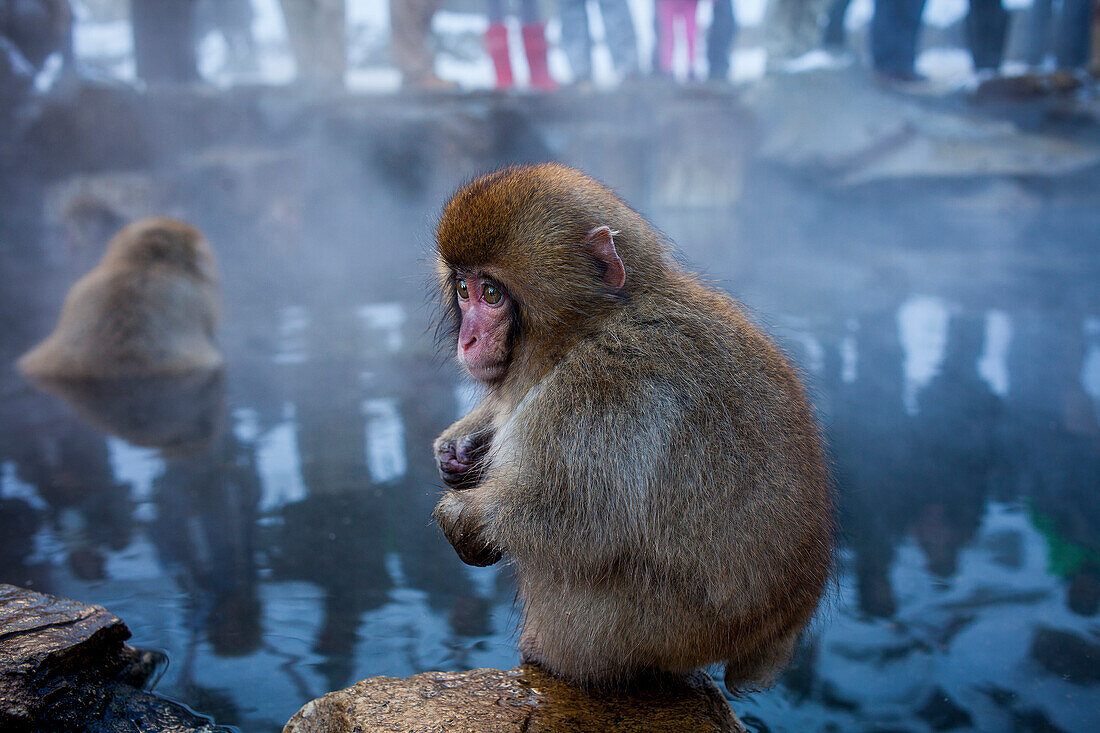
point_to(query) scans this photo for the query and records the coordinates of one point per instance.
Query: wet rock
(64, 666)
(525, 698)
(46, 640)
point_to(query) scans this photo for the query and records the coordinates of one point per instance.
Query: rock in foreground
(525, 698)
(64, 666)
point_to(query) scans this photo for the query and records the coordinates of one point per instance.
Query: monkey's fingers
(452, 469)
(464, 532)
(472, 448)
(459, 480)
(478, 553)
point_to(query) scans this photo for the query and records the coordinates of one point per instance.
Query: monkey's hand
(464, 530)
(460, 460)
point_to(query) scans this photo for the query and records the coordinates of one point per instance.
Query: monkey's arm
(459, 450)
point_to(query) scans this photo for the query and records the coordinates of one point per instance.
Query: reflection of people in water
(956, 449)
(69, 468)
(204, 531)
(335, 537)
(1076, 562)
(1055, 426)
(334, 540)
(929, 474)
(870, 458)
(430, 563)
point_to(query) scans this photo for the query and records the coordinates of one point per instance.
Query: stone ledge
(525, 699)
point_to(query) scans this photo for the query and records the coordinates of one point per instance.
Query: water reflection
(179, 414)
(288, 549)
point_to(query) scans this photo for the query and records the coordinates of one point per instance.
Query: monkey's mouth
(491, 372)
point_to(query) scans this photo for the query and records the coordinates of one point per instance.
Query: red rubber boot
(534, 42)
(496, 43)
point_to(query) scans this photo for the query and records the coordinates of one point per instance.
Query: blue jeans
(577, 42)
(1071, 34)
(720, 39)
(986, 28)
(894, 29)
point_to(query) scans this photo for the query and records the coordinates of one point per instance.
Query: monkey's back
(130, 320)
(715, 547)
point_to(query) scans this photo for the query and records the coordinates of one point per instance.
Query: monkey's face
(484, 336)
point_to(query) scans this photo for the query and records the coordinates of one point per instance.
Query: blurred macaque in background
(150, 307)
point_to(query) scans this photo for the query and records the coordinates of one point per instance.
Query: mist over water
(948, 329)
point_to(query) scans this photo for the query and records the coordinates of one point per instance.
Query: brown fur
(654, 470)
(148, 308)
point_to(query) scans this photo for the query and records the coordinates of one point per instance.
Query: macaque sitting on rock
(148, 308)
(644, 455)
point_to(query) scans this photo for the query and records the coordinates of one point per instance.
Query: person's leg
(1071, 40)
(834, 26)
(164, 48)
(986, 26)
(618, 24)
(534, 43)
(912, 10)
(575, 38)
(666, 14)
(496, 44)
(720, 40)
(410, 26)
(1094, 40)
(330, 39)
(688, 12)
(895, 27)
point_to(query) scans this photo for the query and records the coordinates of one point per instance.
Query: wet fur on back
(149, 307)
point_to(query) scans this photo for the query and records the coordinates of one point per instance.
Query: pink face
(484, 337)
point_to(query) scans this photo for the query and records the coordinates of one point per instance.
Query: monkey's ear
(601, 243)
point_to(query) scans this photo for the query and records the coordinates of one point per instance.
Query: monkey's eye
(463, 291)
(491, 295)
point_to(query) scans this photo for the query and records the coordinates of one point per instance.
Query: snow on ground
(946, 64)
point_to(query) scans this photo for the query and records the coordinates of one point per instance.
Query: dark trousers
(986, 28)
(894, 29)
(834, 23)
(720, 39)
(1071, 40)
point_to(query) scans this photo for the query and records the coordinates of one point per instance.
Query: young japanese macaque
(644, 455)
(148, 308)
